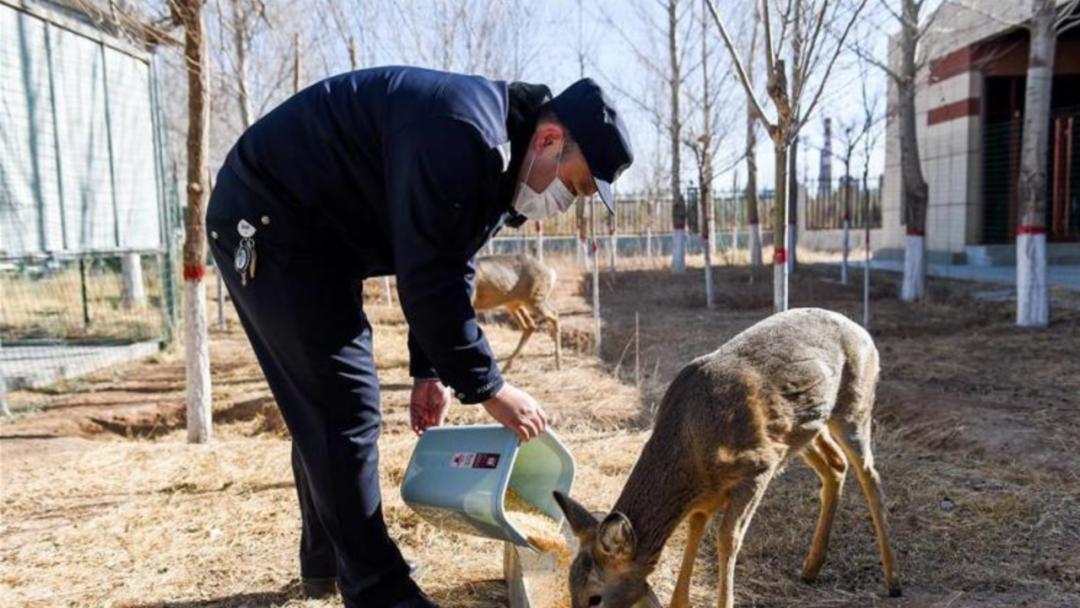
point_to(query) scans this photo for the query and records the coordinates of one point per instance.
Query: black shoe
(318, 588)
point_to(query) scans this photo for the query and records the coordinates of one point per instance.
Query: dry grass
(104, 505)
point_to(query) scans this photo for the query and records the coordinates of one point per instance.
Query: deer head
(605, 573)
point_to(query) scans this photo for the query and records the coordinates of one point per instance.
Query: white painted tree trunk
(678, 250)
(755, 245)
(780, 297)
(847, 250)
(196, 338)
(1032, 304)
(134, 291)
(913, 185)
(197, 357)
(914, 286)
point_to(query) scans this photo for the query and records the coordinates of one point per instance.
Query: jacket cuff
(422, 372)
(483, 392)
(419, 365)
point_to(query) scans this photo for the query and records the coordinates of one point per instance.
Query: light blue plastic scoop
(458, 478)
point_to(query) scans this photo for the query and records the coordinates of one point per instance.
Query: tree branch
(740, 70)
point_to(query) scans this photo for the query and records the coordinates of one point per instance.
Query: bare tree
(793, 104)
(858, 134)
(1032, 303)
(189, 13)
(674, 77)
(705, 160)
(914, 192)
(716, 118)
(872, 118)
(752, 220)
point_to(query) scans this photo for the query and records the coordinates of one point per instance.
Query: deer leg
(528, 326)
(824, 456)
(742, 501)
(550, 315)
(697, 523)
(854, 440)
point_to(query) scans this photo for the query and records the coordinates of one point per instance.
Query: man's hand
(428, 404)
(518, 411)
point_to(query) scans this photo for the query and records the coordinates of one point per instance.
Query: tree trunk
(678, 206)
(240, 28)
(780, 277)
(914, 189)
(847, 220)
(797, 59)
(1032, 305)
(134, 291)
(792, 204)
(752, 220)
(706, 201)
(866, 246)
(196, 340)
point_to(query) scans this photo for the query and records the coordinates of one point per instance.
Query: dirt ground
(976, 440)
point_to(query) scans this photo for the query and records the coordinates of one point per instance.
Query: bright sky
(615, 62)
(612, 31)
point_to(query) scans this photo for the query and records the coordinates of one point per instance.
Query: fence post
(85, 296)
(3, 390)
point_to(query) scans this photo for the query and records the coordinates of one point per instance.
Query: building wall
(949, 124)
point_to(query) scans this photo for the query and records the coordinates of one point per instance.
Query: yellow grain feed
(550, 588)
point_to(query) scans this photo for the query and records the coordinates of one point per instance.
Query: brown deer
(522, 285)
(800, 382)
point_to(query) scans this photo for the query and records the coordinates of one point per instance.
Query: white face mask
(555, 199)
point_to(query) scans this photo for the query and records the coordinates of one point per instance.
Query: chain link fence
(89, 218)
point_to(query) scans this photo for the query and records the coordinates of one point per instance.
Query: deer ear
(616, 538)
(581, 521)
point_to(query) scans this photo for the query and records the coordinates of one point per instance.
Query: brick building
(970, 104)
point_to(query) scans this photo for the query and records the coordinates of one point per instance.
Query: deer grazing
(800, 382)
(522, 285)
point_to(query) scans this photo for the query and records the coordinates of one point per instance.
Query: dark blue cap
(599, 131)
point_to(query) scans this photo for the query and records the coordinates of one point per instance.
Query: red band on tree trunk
(916, 232)
(779, 256)
(194, 273)
(1031, 230)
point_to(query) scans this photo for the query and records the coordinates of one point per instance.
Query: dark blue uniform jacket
(403, 171)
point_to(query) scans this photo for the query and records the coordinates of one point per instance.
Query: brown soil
(105, 505)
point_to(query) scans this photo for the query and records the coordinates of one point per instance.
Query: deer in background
(802, 383)
(522, 285)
